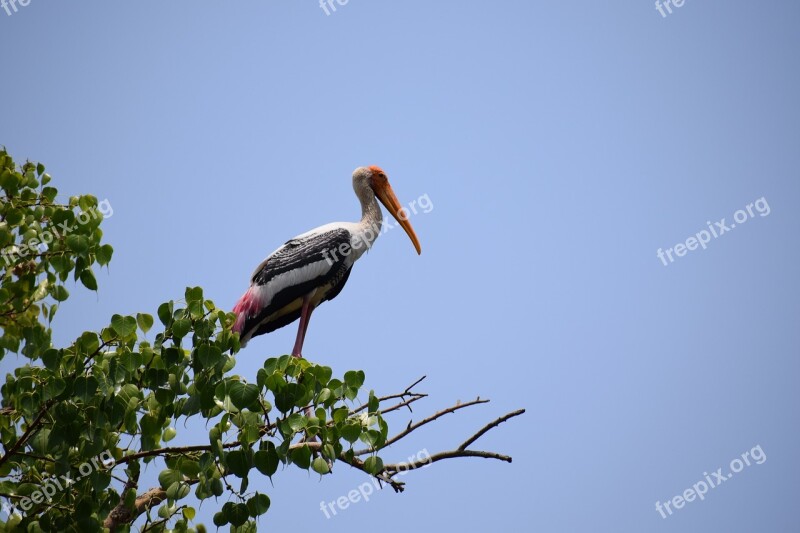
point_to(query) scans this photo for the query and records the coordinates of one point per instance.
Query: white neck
(369, 227)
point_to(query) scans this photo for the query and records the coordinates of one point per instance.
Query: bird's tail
(247, 307)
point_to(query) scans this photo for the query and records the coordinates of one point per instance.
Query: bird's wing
(290, 272)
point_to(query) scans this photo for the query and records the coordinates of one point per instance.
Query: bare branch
(404, 403)
(489, 426)
(461, 451)
(407, 392)
(413, 465)
(412, 427)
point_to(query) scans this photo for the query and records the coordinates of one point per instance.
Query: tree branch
(461, 451)
(32, 428)
(411, 427)
(407, 392)
(122, 515)
(489, 426)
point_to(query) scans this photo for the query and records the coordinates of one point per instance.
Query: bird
(313, 267)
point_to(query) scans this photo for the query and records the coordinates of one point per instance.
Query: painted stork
(313, 267)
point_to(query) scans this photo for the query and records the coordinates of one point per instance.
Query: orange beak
(387, 197)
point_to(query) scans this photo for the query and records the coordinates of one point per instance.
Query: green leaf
(373, 404)
(220, 519)
(123, 325)
(235, 513)
(51, 358)
(320, 466)
(54, 387)
(324, 395)
(14, 216)
(302, 457)
(354, 378)
(372, 438)
(131, 360)
(87, 203)
(85, 387)
(165, 511)
(88, 280)
(189, 467)
(340, 414)
(242, 395)
(351, 431)
(194, 294)
(61, 263)
(239, 462)
(288, 396)
(258, 505)
(168, 477)
(103, 254)
(78, 243)
(178, 490)
(266, 461)
(169, 434)
(128, 391)
(297, 421)
(373, 465)
(150, 425)
(208, 355)
(165, 313)
(39, 443)
(59, 293)
(181, 327)
(144, 321)
(89, 342)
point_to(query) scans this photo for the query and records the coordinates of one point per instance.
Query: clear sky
(560, 144)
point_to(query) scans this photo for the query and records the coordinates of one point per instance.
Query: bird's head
(374, 179)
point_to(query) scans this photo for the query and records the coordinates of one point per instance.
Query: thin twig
(461, 451)
(489, 426)
(403, 394)
(412, 427)
(28, 432)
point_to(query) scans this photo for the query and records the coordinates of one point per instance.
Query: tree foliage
(79, 422)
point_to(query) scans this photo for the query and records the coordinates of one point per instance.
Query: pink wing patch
(248, 306)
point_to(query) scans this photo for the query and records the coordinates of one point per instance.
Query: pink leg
(305, 316)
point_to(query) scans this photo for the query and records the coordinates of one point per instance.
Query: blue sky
(561, 144)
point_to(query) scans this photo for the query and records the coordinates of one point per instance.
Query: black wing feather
(296, 254)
